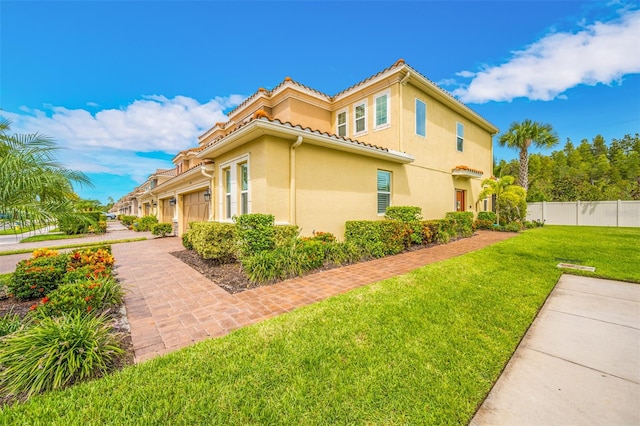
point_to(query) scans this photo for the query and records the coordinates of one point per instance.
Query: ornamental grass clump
(56, 352)
(10, 323)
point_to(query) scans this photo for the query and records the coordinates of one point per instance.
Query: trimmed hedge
(81, 223)
(214, 240)
(162, 229)
(487, 216)
(127, 220)
(256, 233)
(38, 276)
(145, 223)
(404, 214)
(377, 238)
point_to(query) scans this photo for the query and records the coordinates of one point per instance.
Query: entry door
(460, 200)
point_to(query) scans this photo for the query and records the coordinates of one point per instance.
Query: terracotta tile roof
(265, 117)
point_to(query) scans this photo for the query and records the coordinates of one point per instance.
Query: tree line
(591, 171)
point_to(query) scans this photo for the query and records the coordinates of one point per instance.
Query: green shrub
(438, 231)
(483, 224)
(10, 323)
(256, 233)
(285, 235)
(214, 240)
(163, 229)
(145, 223)
(491, 216)
(36, 277)
(269, 265)
(80, 223)
(88, 296)
(308, 255)
(404, 214)
(186, 240)
(342, 253)
(377, 238)
(509, 227)
(127, 220)
(462, 223)
(83, 273)
(56, 352)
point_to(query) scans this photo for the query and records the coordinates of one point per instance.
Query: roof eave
(264, 126)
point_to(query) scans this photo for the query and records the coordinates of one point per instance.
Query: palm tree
(34, 187)
(507, 194)
(521, 136)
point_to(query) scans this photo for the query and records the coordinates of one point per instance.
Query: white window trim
(386, 93)
(355, 127)
(235, 187)
(425, 118)
(390, 192)
(457, 136)
(346, 121)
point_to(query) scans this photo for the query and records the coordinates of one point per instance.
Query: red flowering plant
(37, 276)
(89, 263)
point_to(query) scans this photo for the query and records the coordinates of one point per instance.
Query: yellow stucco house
(316, 161)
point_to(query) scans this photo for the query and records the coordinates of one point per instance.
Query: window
(227, 187)
(360, 117)
(234, 188)
(421, 118)
(381, 103)
(384, 191)
(459, 136)
(341, 125)
(244, 188)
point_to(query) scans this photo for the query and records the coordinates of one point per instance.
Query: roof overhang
(466, 173)
(263, 126)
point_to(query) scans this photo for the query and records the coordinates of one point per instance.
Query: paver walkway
(170, 305)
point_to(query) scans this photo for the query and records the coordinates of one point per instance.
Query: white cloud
(602, 52)
(108, 140)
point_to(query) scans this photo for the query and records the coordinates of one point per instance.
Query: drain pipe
(403, 82)
(207, 169)
(292, 181)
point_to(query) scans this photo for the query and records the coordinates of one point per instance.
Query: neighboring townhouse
(316, 160)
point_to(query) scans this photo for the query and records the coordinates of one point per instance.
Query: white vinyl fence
(586, 213)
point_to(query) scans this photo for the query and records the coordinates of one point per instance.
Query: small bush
(510, 227)
(88, 296)
(44, 252)
(256, 233)
(127, 220)
(404, 214)
(36, 277)
(163, 229)
(285, 235)
(462, 223)
(342, 253)
(214, 240)
(377, 238)
(99, 259)
(56, 352)
(80, 223)
(491, 216)
(483, 224)
(186, 240)
(145, 223)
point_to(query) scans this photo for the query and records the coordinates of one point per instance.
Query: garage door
(195, 208)
(167, 211)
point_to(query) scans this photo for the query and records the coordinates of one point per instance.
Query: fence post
(618, 213)
(544, 203)
(578, 213)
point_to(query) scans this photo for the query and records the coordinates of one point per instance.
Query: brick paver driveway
(170, 305)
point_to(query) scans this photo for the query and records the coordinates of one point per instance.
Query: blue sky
(123, 86)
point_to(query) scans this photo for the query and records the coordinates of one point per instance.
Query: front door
(460, 200)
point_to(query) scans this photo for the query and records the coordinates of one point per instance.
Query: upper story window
(460, 137)
(381, 102)
(384, 191)
(341, 123)
(421, 118)
(360, 118)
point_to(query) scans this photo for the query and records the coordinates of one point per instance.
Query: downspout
(292, 181)
(207, 170)
(403, 83)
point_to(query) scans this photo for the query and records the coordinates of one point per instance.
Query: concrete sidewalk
(115, 231)
(578, 364)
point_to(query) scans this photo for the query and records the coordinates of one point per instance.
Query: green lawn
(77, 245)
(13, 231)
(49, 237)
(422, 348)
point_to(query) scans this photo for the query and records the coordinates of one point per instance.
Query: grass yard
(422, 348)
(77, 245)
(49, 237)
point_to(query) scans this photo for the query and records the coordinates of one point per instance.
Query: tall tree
(522, 136)
(34, 186)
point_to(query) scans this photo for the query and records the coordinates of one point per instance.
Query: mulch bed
(228, 276)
